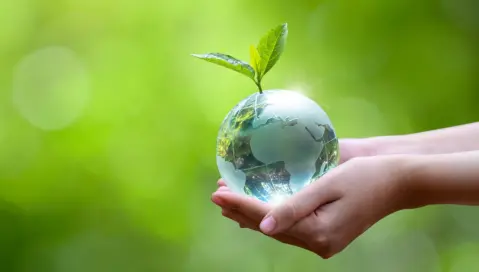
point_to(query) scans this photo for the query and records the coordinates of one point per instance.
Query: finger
(346, 149)
(246, 222)
(241, 219)
(223, 189)
(250, 207)
(302, 203)
(221, 183)
(350, 148)
(218, 200)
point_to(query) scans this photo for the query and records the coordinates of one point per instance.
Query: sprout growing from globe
(273, 143)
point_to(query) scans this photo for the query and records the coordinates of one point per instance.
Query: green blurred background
(108, 126)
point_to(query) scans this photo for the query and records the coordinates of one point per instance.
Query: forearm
(449, 140)
(441, 179)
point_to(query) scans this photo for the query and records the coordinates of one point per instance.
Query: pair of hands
(326, 216)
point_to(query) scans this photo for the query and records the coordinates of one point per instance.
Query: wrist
(410, 185)
(404, 190)
(442, 179)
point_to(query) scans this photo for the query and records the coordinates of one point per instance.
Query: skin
(377, 177)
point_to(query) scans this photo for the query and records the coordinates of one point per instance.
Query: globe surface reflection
(271, 145)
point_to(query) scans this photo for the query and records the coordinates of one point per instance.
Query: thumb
(299, 206)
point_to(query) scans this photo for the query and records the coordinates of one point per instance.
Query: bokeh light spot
(51, 88)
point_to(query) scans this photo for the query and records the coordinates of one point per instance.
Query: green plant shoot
(262, 57)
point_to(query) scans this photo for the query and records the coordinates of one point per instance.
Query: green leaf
(270, 48)
(254, 58)
(228, 62)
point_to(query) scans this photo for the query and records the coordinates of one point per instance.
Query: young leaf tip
(270, 48)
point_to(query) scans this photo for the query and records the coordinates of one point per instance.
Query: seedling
(262, 57)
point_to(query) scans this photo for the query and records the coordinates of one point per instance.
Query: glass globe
(271, 145)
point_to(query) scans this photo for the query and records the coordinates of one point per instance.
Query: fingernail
(268, 225)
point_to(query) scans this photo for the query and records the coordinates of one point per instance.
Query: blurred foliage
(108, 126)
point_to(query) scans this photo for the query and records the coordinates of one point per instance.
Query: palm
(249, 212)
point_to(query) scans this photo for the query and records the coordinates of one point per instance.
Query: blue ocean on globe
(273, 144)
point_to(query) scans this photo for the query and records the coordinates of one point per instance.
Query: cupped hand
(329, 214)
(248, 213)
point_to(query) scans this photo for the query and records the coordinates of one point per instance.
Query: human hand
(348, 149)
(248, 212)
(329, 214)
(353, 148)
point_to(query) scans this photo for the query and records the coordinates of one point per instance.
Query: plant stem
(258, 83)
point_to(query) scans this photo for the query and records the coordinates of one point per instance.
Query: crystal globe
(271, 145)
